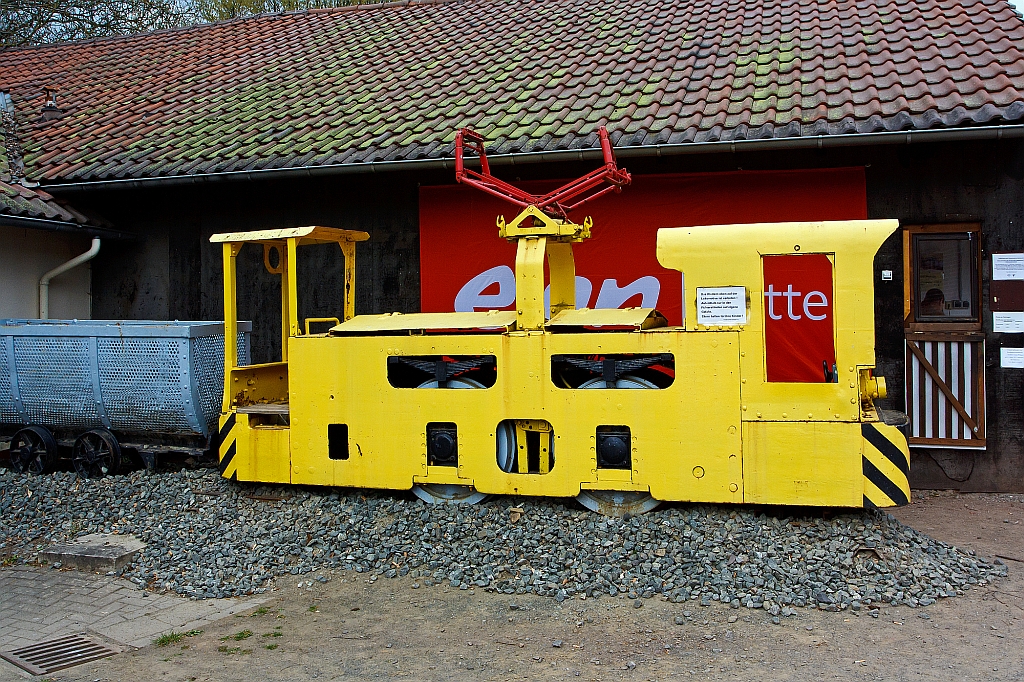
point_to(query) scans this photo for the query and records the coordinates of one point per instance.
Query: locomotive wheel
(440, 493)
(33, 450)
(614, 502)
(96, 454)
(625, 381)
(617, 503)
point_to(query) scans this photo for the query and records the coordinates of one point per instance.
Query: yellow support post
(562, 270)
(530, 282)
(282, 272)
(348, 248)
(230, 252)
(291, 280)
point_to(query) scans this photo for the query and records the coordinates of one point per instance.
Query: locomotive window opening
(442, 371)
(945, 277)
(525, 446)
(337, 441)
(626, 370)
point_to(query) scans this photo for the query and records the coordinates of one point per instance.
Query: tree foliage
(217, 10)
(33, 22)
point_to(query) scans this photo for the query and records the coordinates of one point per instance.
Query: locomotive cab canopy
(264, 387)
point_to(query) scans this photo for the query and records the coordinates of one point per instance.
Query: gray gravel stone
(207, 537)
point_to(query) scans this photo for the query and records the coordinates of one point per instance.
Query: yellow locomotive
(765, 394)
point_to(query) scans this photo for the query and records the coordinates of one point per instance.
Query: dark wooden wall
(173, 272)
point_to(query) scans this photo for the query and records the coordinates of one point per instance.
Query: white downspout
(44, 282)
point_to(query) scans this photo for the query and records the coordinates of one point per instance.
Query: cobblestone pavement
(37, 604)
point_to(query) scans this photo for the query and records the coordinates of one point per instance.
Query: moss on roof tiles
(390, 82)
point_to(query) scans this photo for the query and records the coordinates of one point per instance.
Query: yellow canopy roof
(312, 234)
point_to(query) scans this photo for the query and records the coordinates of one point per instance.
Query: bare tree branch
(32, 22)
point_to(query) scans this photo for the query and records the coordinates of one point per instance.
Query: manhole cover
(57, 654)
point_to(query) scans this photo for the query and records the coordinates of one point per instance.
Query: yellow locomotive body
(613, 406)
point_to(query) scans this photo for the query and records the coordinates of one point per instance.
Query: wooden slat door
(946, 389)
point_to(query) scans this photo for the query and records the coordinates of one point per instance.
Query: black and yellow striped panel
(886, 466)
(228, 445)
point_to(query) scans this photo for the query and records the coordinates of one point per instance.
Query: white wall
(25, 255)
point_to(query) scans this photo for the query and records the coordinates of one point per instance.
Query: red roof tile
(389, 82)
(19, 201)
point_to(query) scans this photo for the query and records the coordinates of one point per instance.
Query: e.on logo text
(495, 288)
(799, 326)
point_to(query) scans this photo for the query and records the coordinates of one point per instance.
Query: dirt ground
(349, 628)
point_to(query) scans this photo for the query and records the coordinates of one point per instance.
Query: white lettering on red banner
(495, 288)
(799, 329)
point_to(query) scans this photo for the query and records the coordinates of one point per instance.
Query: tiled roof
(390, 82)
(22, 202)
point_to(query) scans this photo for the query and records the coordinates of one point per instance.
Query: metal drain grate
(57, 654)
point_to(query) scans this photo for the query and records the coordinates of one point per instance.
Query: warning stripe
(225, 460)
(885, 467)
(881, 482)
(227, 443)
(886, 447)
(225, 428)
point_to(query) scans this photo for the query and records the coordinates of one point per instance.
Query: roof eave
(979, 133)
(61, 226)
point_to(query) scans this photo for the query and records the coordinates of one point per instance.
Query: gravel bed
(207, 537)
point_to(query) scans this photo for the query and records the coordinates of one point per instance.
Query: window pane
(945, 274)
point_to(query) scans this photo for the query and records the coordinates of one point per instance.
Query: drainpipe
(44, 282)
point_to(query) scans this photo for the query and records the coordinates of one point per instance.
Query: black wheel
(34, 451)
(96, 454)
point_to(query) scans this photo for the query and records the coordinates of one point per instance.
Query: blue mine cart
(97, 386)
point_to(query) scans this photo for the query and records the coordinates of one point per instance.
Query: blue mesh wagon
(99, 385)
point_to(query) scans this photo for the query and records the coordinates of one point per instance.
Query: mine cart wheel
(96, 454)
(438, 493)
(34, 451)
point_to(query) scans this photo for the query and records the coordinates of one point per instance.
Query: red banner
(464, 266)
(799, 325)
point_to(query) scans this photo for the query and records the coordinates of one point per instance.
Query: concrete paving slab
(95, 552)
(42, 603)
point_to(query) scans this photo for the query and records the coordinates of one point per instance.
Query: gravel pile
(208, 537)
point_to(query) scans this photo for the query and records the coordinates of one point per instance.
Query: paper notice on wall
(1008, 322)
(1011, 357)
(1008, 266)
(721, 306)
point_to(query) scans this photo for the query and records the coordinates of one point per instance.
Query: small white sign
(1008, 266)
(1008, 323)
(886, 275)
(722, 306)
(1011, 357)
